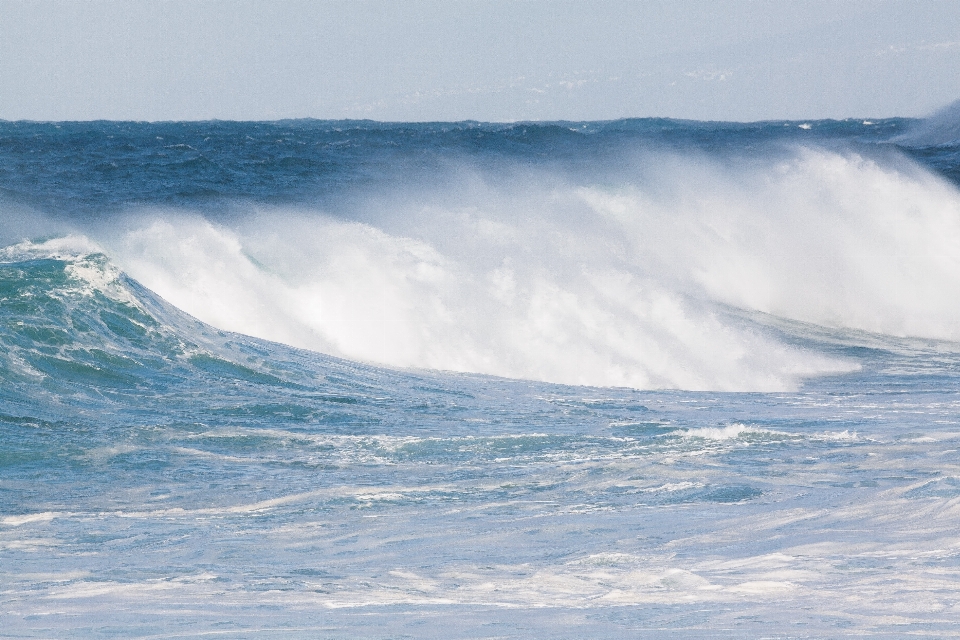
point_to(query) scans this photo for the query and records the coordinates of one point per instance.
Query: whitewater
(339, 379)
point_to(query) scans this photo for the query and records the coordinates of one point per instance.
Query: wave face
(241, 387)
(606, 255)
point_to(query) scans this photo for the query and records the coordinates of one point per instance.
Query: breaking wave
(632, 278)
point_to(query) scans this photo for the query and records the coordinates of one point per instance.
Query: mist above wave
(352, 290)
(940, 129)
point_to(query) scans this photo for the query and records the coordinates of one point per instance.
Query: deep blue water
(94, 169)
(645, 378)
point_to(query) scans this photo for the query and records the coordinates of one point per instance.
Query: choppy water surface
(780, 462)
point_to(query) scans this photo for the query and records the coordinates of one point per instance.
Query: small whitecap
(729, 432)
(16, 521)
(838, 436)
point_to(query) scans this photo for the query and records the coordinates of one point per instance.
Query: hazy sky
(495, 60)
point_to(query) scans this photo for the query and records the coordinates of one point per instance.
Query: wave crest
(627, 283)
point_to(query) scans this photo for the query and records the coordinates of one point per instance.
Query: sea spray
(163, 476)
(622, 285)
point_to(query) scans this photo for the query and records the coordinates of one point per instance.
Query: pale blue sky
(498, 60)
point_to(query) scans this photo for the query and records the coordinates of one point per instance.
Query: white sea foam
(833, 239)
(611, 285)
(840, 436)
(90, 270)
(72, 246)
(353, 290)
(729, 432)
(16, 521)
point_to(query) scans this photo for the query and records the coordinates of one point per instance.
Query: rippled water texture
(784, 464)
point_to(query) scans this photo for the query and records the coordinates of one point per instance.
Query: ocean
(345, 379)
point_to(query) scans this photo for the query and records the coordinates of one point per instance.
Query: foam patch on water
(16, 521)
(69, 247)
(838, 436)
(95, 274)
(729, 432)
